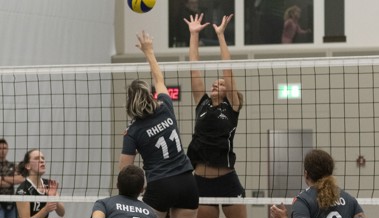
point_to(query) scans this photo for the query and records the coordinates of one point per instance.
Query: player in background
(154, 133)
(33, 167)
(130, 182)
(323, 198)
(8, 178)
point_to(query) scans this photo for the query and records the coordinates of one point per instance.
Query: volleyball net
(76, 116)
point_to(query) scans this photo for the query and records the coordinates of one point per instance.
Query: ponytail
(328, 192)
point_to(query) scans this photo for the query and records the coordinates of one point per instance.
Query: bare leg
(160, 214)
(183, 213)
(235, 211)
(207, 211)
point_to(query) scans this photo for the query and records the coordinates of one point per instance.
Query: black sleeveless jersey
(212, 141)
(27, 188)
(305, 205)
(157, 140)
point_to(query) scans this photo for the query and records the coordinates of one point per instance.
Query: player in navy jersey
(154, 133)
(130, 183)
(323, 198)
(211, 148)
(33, 167)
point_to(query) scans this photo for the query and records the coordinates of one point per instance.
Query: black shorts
(173, 192)
(227, 185)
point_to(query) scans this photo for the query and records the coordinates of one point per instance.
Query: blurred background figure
(180, 36)
(8, 178)
(291, 24)
(213, 11)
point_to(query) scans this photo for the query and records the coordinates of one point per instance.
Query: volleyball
(141, 6)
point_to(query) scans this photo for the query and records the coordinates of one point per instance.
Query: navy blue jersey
(156, 138)
(27, 188)
(120, 206)
(305, 205)
(212, 142)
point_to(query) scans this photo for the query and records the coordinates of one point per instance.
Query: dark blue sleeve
(129, 145)
(300, 209)
(166, 100)
(357, 207)
(100, 206)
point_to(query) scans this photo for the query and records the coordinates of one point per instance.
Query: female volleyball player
(130, 182)
(211, 148)
(153, 132)
(33, 167)
(323, 198)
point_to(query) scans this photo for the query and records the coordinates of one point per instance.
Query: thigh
(208, 211)
(160, 214)
(183, 213)
(235, 211)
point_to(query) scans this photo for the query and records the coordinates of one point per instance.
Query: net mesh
(76, 116)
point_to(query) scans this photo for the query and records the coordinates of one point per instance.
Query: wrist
(196, 34)
(149, 51)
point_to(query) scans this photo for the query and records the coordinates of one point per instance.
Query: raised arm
(197, 82)
(230, 83)
(146, 46)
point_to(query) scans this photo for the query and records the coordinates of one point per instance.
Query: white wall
(49, 32)
(361, 22)
(361, 30)
(41, 32)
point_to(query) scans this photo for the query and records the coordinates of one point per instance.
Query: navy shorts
(227, 185)
(178, 191)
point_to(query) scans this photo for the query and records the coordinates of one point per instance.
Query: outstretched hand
(194, 24)
(145, 42)
(224, 23)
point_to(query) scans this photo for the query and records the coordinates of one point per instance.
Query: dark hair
(130, 181)
(140, 102)
(21, 166)
(319, 166)
(3, 141)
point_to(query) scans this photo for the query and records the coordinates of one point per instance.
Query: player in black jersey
(323, 198)
(130, 183)
(33, 168)
(211, 148)
(154, 133)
